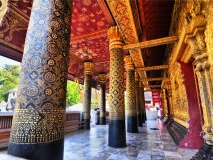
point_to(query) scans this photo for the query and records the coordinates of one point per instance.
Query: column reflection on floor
(148, 144)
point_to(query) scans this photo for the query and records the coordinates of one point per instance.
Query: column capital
(129, 63)
(137, 77)
(88, 66)
(102, 77)
(115, 38)
(141, 84)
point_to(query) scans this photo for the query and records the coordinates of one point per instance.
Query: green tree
(9, 78)
(73, 97)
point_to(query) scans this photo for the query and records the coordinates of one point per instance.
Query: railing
(73, 122)
(5, 127)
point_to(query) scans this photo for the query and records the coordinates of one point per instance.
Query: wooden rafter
(151, 43)
(152, 68)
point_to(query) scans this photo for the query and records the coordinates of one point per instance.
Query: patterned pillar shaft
(117, 134)
(88, 66)
(169, 91)
(132, 126)
(102, 99)
(142, 101)
(139, 111)
(39, 114)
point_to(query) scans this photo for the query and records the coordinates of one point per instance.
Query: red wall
(194, 138)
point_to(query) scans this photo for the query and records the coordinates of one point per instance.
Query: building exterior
(12, 94)
(115, 46)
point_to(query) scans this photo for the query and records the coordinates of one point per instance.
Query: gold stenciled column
(117, 134)
(142, 101)
(132, 126)
(38, 122)
(88, 66)
(169, 96)
(102, 99)
(139, 111)
(165, 107)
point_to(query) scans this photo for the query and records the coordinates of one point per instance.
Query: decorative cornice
(115, 38)
(129, 63)
(102, 78)
(151, 43)
(152, 68)
(88, 68)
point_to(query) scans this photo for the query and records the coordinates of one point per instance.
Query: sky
(4, 60)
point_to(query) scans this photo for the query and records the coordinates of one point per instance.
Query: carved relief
(179, 97)
(193, 23)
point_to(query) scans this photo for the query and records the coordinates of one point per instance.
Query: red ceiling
(91, 20)
(90, 23)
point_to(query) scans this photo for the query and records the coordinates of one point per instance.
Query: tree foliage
(73, 97)
(9, 78)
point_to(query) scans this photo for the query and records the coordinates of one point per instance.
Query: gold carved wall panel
(179, 97)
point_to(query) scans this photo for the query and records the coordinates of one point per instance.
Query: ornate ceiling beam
(151, 86)
(153, 68)
(126, 19)
(151, 43)
(151, 79)
(152, 90)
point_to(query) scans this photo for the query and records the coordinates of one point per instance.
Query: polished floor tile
(148, 144)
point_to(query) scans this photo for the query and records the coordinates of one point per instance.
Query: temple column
(132, 126)
(102, 99)
(88, 66)
(165, 107)
(139, 111)
(117, 133)
(38, 122)
(142, 101)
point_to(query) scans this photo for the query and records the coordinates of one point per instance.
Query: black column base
(204, 153)
(102, 120)
(143, 118)
(132, 126)
(177, 131)
(140, 123)
(87, 123)
(117, 134)
(50, 150)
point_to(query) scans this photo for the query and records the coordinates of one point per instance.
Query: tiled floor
(146, 145)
